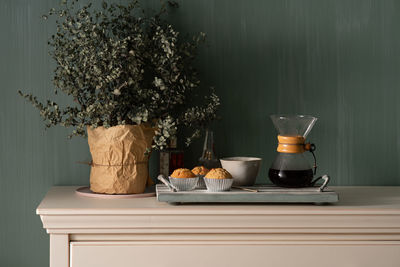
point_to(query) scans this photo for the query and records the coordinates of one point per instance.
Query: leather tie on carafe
(296, 144)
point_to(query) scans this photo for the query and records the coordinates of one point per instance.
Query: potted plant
(133, 83)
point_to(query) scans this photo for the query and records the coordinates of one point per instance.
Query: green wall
(338, 60)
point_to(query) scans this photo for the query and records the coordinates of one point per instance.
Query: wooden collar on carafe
(292, 144)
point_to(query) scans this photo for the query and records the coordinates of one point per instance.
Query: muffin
(218, 173)
(200, 171)
(183, 173)
(218, 180)
(183, 179)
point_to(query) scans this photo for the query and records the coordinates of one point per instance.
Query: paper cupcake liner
(201, 184)
(218, 185)
(184, 184)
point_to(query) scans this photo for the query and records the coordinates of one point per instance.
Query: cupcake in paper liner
(200, 171)
(183, 179)
(218, 180)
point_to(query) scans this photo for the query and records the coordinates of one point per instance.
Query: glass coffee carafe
(291, 168)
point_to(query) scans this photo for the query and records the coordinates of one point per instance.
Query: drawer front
(165, 254)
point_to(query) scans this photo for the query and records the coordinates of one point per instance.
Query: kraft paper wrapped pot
(119, 162)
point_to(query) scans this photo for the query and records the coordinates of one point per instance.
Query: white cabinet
(363, 229)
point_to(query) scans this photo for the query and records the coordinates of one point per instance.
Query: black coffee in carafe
(295, 178)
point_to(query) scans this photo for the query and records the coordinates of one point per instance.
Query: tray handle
(163, 179)
(326, 179)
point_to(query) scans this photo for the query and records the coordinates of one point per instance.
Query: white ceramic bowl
(244, 170)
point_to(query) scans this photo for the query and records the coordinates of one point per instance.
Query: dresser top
(62, 200)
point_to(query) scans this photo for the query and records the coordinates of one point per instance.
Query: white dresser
(363, 229)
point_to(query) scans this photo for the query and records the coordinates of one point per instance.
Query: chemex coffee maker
(291, 168)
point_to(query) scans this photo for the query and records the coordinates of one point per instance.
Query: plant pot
(119, 162)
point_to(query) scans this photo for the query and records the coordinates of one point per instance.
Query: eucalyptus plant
(123, 67)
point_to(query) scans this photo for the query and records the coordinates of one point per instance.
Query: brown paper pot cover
(119, 163)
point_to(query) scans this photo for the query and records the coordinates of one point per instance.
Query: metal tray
(260, 194)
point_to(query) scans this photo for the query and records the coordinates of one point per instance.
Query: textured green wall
(338, 60)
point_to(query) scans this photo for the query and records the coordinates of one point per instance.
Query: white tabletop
(62, 200)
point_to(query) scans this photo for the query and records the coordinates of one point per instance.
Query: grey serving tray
(265, 194)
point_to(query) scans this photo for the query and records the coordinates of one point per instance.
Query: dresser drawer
(235, 254)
